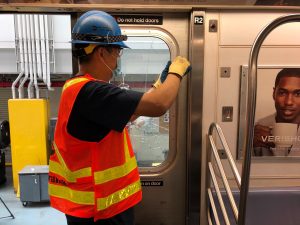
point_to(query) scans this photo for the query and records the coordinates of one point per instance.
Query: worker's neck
(94, 71)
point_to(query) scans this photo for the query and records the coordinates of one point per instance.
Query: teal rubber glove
(163, 76)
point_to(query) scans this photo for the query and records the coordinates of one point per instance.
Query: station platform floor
(38, 213)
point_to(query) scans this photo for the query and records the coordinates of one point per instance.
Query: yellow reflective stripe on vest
(126, 149)
(115, 172)
(56, 168)
(62, 169)
(104, 203)
(73, 81)
(79, 197)
(118, 171)
(60, 159)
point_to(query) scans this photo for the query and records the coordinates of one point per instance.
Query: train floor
(39, 213)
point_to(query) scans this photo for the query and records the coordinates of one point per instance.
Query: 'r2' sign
(198, 20)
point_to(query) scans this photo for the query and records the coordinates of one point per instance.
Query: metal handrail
(250, 110)
(223, 175)
(227, 150)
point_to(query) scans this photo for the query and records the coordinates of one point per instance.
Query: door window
(141, 65)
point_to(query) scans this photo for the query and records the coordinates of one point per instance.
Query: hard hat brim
(121, 44)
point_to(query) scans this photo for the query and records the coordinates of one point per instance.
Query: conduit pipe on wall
(30, 64)
(48, 81)
(43, 48)
(51, 41)
(38, 46)
(19, 51)
(24, 79)
(37, 62)
(32, 56)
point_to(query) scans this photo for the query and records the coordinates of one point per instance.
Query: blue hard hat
(98, 27)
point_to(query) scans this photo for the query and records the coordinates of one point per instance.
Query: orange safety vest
(91, 179)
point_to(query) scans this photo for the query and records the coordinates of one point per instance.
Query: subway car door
(160, 144)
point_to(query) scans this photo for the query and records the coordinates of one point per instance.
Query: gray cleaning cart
(34, 184)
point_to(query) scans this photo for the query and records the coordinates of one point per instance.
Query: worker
(93, 173)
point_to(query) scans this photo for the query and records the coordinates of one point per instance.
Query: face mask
(117, 71)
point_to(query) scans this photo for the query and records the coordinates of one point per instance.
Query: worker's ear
(100, 51)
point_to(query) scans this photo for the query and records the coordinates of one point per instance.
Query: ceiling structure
(138, 6)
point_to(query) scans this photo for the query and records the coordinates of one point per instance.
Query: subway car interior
(205, 161)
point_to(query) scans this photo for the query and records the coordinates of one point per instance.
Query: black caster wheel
(24, 204)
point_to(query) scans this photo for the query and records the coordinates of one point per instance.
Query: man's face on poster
(287, 100)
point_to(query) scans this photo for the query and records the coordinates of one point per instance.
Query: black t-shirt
(99, 108)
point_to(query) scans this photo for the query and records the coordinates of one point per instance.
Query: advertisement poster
(277, 115)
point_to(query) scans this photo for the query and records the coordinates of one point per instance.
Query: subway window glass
(140, 66)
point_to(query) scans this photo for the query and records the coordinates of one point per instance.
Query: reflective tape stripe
(73, 81)
(118, 171)
(79, 197)
(64, 171)
(60, 159)
(126, 149)
(56, 168)
(115, 172)
(104, 203)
